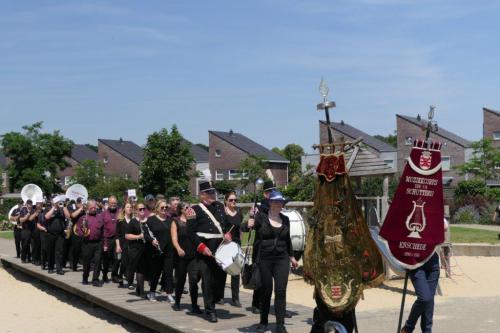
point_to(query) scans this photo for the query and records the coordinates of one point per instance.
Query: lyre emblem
(425, 160)
(416, 222)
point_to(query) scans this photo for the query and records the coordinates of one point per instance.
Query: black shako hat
(268, 186)
(206, 186)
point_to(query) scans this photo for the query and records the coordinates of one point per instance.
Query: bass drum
(297, 232)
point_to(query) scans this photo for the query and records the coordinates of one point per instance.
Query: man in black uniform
(55, 217)
(27, 225)
(207, 228)
(35, 234)
(76, 210)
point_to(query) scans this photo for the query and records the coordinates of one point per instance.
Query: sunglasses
(163, 208)
(141, 209)
(232, 200)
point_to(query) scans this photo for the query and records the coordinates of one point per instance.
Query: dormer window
(105, 159)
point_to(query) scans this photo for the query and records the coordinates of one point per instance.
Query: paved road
(457, 315)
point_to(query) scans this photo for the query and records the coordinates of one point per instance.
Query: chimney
(121, 140)
(231, 133)
(342, 122)
(418, 117)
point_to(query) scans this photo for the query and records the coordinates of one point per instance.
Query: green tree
(391, 139)
(292, 152)
(224, 186)
(89, 173)
(114, 185)
(252, 168)
(484, 162)
(167, 164)
(301, 188)
(35, 157)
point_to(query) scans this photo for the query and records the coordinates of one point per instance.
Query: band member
(91, 228)
(124, 217)
(207, 228)
(159, 251)
(150, 202)
(184, 265)
(234, 217)
(35, 235)
(168, 272)
(136, 240)
(425, 280)
(41, 225)
(110, 218)
(76, 211)
(14, 219)
(26, 229)
(55, 217)
(274, 258)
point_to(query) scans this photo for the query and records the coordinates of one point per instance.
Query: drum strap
(212, 217)
(208, 236)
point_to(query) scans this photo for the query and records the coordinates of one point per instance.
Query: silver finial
(430, 115)
(323, 89)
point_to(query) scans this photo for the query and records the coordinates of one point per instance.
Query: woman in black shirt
(234, 217)
(125, 217)
(274, 257)
(136, 243)
(184, 263)
(159, 251)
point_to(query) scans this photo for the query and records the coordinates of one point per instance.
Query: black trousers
(276, 269)
(54, 248)
(17, 240)
(66, 251)
(321, 315)
(75, 250)
(156, 265)
(184, 268)
(35, 246)
(212, 277)
(91, 253)
(109, 261)
(44, 257)
(135, 252)
(123, 261)
(168, 273)
(25, 244)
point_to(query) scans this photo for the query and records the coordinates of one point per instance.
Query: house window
(408, 141)
(390, 163)
(126, 176)
(496, 135)
(234, 174)
(67, 180)
(219, 175)
(105, 160)
(446, 163)
(217, 152)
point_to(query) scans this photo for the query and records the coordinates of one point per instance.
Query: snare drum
(230, 258)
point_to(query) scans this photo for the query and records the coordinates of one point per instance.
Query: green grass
(469, 235)
(7, 234)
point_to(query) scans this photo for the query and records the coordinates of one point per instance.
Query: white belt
(208, 236)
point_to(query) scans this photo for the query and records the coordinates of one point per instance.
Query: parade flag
(413, 226)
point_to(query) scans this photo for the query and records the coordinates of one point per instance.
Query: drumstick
(231, 229)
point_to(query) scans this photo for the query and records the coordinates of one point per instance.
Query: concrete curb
(475, 250)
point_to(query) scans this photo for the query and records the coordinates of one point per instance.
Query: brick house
(228, 149)
(491, 126)
(79, 153)
(120, 158)
(379, 148)
(455, 150)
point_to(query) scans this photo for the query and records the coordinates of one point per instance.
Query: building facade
(491, 126)
(79, 154)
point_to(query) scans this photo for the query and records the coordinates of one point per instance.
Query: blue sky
(110, 69)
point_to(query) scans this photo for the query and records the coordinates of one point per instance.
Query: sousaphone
(32, 192)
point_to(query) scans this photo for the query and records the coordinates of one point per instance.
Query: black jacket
(203, 223)
(272, 242)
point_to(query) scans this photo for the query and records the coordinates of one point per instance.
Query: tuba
(74, 192)
(31, 192)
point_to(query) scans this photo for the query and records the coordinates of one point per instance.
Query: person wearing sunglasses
(121, 244)
(234, 217)
(136, 241)
(207, 229)
(159, 250)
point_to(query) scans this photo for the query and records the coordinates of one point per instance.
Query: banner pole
(405, 288)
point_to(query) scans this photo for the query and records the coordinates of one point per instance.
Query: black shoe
(288, 314)
(280, 328)
(236, 303)
(185, 291)
(115, 279)
(44, 267)
(60, 272)
(51, 271)
(212, 317)
(195, 310)
(255, 310)
(96, 283)
(176, 307)
(105, 279)
(74, 268)
(261, 328)
(85, 282)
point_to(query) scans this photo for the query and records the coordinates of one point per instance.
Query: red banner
(414, 223)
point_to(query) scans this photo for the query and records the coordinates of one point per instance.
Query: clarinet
(145, 228)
